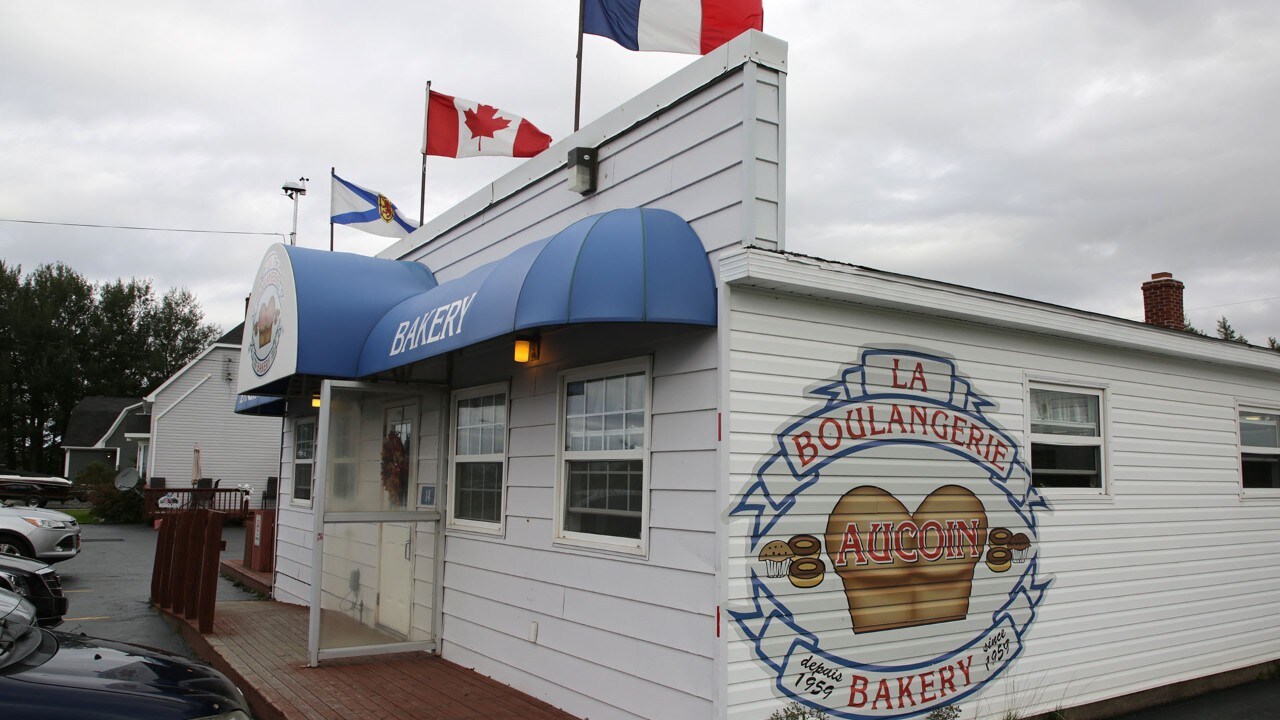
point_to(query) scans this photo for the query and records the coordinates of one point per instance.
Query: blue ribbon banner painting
(933, 603)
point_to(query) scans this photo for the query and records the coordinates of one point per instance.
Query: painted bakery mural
(892, 545)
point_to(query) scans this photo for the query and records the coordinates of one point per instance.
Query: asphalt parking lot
(109, 585)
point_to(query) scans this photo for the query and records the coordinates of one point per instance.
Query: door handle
(406, 548)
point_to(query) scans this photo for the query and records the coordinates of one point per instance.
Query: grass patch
(84, 516)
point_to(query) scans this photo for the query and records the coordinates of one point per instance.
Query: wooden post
(178, 577)
(194, 557)
(161, 567)
(212, 547)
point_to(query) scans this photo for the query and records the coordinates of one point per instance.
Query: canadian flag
(457, 127)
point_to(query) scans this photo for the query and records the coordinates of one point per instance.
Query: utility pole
(295, 189)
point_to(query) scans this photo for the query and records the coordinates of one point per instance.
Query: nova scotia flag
(366, 210)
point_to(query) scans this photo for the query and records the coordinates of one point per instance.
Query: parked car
(56, 676)
(39, 534)
(34, 489)
(38, 583)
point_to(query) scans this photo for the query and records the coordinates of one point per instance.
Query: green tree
(63, 338)
(120, 366)
(10, 285)
(1228, 333)
(51, 341)
(175, 332)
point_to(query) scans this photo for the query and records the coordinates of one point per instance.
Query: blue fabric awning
(311, 311)
(631, 265)
(260, 405)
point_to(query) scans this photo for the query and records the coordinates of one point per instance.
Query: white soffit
(804, 276)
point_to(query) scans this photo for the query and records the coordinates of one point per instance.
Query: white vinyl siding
(619, 636)
(197, 406)
(295, 530)
(1166, 580)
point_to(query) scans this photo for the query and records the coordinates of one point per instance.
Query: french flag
(683, 26)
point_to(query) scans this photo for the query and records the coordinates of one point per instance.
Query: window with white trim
(304, 458)
(477, 473)
(1260, 449)
(604, 431)
(1067, 438)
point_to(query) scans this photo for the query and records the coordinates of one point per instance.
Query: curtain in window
(1063, 413)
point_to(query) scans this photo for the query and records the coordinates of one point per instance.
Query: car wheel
(35, 501)
(10, 545)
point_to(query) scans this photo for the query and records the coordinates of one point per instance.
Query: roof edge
(809, 276)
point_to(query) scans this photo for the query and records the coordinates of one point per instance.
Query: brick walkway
(262, 646)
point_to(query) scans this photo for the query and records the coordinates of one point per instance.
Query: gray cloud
(1061, 151)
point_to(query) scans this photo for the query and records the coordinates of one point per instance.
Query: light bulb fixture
(315, 400)
(526, 349)
(582, 170)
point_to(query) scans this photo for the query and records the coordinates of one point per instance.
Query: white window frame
(632, 546)
(315, 448)
(467, 524)
(140, 459)
(1245, 407)
(1102, 440)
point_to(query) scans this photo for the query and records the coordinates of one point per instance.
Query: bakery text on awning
(356, 316)
(632, 265)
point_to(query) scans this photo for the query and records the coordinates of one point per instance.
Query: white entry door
(395, 587)
(377, 526)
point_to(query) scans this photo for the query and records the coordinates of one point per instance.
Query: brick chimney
(1162, 301)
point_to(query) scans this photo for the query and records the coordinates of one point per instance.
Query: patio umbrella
(195, 466)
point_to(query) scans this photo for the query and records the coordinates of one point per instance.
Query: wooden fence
(184, 578)
(161, 502)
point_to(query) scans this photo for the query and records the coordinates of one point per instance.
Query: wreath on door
(395, 468)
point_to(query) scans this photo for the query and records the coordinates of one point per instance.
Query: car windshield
(19, 636)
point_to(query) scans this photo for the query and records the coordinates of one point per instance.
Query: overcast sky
(1060, 151)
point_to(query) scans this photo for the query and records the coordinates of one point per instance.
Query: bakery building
(619, 449)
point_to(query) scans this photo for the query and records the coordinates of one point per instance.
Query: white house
(196, 407)
(624, 452)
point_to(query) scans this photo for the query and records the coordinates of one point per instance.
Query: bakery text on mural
(892, 568)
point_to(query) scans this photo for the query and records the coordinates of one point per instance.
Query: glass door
(378, 459)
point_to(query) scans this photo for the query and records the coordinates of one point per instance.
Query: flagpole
(332, 174)
(577, 90)
(422, 188)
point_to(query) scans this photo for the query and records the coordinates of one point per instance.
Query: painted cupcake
(776, 556)
(1020, 544)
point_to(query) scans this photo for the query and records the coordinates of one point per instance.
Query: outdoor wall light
(582, 170)
(315, 400)
(526, 349)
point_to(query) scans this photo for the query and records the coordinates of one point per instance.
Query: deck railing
(184, 577)
(166, 501)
